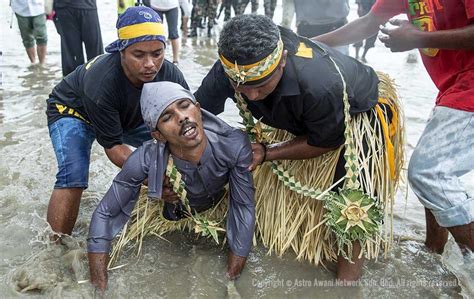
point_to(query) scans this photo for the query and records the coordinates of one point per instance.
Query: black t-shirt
(308, 98)
(81, 4)
(99, 93)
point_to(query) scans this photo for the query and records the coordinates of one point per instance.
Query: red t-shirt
(451, 70)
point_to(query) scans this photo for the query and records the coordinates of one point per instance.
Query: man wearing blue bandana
(101, 100)
(207, 152)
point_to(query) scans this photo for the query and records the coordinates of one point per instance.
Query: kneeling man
(205, 150)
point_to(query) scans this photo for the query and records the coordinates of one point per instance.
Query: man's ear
(158, 136)
(198, 106)
(284, 55)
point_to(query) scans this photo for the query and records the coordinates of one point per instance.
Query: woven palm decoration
(351, 214)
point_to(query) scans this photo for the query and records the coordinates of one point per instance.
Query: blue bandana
(137, 24)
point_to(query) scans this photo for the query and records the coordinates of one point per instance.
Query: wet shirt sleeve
(214, 90)
(115, 208)
(241, 217)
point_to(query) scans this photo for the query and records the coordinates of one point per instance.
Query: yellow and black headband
(137, 24)
(253, 73)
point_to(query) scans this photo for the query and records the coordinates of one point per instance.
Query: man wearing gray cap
(205, 150)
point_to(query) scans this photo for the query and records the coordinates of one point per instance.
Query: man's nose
(251, 94)
(182, 118)
(149, 61)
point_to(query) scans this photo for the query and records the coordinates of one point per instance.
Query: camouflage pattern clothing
(227, 5)
(239, 7)
(243, 5)
(269, 6)
(202, 9)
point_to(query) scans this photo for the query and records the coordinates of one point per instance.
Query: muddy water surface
(184, 266)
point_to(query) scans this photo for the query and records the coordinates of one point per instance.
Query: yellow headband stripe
(244, 73)
(137, 30)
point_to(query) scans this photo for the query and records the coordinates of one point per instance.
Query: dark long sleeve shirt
(225, 159)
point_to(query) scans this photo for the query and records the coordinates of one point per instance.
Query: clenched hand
(402, 38)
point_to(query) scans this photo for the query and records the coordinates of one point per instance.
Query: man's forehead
(174, 104)
(146, 46)
(250, 86)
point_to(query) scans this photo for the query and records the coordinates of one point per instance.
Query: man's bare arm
(295, 149)
(353, 32)
(406, 37)
(118, 154)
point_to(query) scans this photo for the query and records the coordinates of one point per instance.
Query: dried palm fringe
(289, 221)
(285, 219)
(147, 219)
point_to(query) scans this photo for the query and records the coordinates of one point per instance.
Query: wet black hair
(248, 38)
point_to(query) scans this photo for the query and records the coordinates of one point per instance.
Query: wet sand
(184, 267)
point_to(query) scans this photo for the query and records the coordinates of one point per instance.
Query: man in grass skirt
(332, 106)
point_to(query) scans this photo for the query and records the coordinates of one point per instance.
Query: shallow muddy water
(183, 266)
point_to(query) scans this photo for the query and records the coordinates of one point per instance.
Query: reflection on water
(183, 266)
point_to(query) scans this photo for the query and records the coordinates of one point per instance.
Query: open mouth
(188, 129)
(150, 74)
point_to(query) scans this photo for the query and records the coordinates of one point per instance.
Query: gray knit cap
(157, 96)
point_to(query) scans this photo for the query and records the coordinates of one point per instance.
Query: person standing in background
(269, 6)
(169, 8)
(202, 9)
(77, 22)
(363, 8)
(185, 15)
(288, 13)
(122, 5)
(316, 17)
(244, 3)
(32, 24)
(227, 5)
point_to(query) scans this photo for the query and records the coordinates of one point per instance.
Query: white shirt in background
(164, 5)
(186, 7)
(28, 8)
